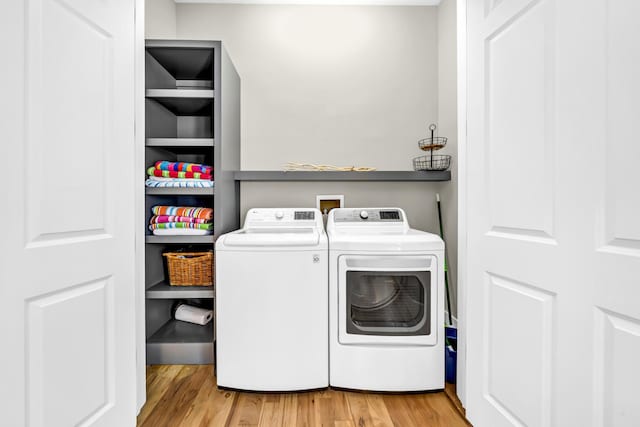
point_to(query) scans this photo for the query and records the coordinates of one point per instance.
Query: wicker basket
(190, 268)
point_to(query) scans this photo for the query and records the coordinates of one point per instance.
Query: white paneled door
(67, 248)
(553, 213)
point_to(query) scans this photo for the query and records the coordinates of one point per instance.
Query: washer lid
(276, 236)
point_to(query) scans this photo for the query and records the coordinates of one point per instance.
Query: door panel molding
(60, 327)
(75, 107)
(520, 123)
(518, 342)
(620, 172)
(617, 343)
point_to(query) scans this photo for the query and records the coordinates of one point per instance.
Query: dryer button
(364, 214)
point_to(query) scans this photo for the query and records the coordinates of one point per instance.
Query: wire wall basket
(434, 143)
(437, 162)
(432, 162)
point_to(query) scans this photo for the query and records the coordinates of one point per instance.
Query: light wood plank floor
(186, 395)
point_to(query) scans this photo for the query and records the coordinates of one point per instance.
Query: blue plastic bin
(450, 349)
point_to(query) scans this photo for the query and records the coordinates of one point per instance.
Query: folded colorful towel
(181, 232)
(173, 174)
(185, 183)
(157, 219)
(183, 167)
(161, 178)
(167, 225)
(193, 212)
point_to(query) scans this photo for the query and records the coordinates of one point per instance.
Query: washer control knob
(279, 215)
(364, 214)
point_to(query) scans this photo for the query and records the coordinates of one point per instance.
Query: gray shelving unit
(192, 113)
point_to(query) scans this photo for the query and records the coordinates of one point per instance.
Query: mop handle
(446, 276)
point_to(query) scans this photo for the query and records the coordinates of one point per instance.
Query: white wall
(160, 19)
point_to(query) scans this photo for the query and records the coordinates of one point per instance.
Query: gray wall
(160, 19)
(341, 85)
(327, 84)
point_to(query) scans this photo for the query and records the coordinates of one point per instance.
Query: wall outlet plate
(327, 202)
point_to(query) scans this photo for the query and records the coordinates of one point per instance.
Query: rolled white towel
(187, 313)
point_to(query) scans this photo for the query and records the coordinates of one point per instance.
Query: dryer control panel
(368, 215)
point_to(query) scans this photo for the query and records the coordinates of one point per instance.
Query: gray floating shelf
(163, 290)
(210, 238)
(179, 142)
(169, 191)
(342, 176)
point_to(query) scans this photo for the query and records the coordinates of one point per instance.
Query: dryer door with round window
(387, 299)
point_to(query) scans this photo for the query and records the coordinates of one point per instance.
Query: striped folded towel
(181, 183)
(167, 225)
(180, 232)
(157, 219)
(166, 165)
(161, 178)
(152, 171)
(193, 212)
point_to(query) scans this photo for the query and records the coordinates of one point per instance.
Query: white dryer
(272, 302)
(386, 302)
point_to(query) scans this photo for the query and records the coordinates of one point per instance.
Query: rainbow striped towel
(181, 232)
(167, 225)
(152, 171)
(182, 183)
(166, 165)
(193, 212)
(156, 219)
(161, 178)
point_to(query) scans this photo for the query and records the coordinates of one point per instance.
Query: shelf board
(180, 93)
(172, 353)
(179, 142)
(209, 238)
(169, 191)
(194, 84)
(176, 331)
(163, 290)
(179, 342)
(342, 176)
(184, 102)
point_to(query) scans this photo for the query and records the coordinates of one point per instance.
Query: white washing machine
(272, 302)
(386, 302)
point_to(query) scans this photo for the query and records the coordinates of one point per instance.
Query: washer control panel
(368, 215)
(304, 215)
(283, 217)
